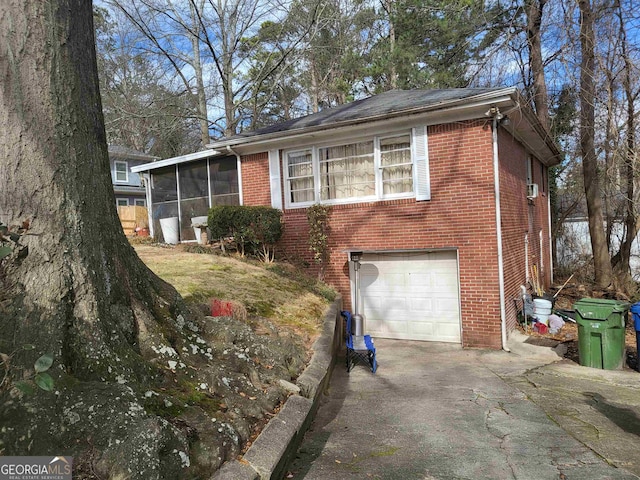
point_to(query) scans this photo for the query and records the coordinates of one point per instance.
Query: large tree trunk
(393, 71)
(79, 292)
(534, 23)
(622, 260)
(75, 289)
(205, 138)
(315, 88)
(601, 260)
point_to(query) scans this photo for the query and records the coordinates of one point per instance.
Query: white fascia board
(373, 127)
(132, 156)
(459, 109)
(175, 160)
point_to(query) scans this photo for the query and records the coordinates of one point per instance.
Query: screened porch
(181, 192)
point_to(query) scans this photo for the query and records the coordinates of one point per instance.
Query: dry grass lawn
(278, 292)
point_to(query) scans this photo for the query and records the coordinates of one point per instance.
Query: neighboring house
(127, 185)
(444, 192)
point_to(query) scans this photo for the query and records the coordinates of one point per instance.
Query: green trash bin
(601, 332)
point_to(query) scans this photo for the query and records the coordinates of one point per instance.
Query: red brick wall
(255, 179)
(460, 215)
(520, 217)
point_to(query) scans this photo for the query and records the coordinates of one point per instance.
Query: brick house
(443, 192)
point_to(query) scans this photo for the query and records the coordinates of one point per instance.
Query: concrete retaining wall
(272, 451)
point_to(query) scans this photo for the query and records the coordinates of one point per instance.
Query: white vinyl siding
(393, 165)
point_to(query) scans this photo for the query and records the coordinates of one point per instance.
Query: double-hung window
(373, 168)
(347, 171)
(121, 170)
(396, 165)
(300, 176)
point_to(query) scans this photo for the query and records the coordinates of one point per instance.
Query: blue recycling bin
(635, 312)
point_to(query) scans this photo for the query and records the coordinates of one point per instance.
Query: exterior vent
(532, 190)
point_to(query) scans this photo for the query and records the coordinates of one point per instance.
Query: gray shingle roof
(125, 152)
(390, 102)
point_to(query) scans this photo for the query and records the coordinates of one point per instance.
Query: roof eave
(460, 103)
(175, 160)
(541, 136)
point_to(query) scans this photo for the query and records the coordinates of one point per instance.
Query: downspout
(239, 167)
(496, 186)
(550, 237)
(147, 193)
(526, 258)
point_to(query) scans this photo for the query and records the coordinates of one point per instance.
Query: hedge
(254, 229)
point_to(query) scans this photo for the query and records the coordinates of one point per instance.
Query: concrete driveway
(436, 411)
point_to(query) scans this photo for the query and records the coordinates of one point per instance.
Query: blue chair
(363, 351)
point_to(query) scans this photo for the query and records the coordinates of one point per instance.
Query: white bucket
(170, 229)
(542, 310)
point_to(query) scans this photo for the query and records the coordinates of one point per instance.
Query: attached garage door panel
(412, 296)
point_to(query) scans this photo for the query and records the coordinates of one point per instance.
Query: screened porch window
(187, 190)
(194, 195)
(224, 181)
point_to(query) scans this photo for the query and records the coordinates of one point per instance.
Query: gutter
(535, 123)
(496, 186)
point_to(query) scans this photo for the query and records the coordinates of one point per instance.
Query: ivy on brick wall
(318, 217)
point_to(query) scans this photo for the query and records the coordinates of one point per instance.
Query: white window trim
(144, 202)
(315, 163)
(120, 200)
(380, 168)
(316, 177)
(115, 171)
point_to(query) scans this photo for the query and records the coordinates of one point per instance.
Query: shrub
(254, 230)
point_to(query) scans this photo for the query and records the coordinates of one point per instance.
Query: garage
(410, 295)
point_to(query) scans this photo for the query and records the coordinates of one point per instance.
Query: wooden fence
(132, 217)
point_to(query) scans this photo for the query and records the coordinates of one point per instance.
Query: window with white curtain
(347, 171)
(396, 164)
(373, 168)
(300, 176)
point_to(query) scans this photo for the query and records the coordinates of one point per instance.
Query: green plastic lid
(599, 308)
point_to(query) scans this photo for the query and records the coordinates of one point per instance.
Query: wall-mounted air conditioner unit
(532, 190)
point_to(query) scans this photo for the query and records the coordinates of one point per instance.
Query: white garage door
(411, 296)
